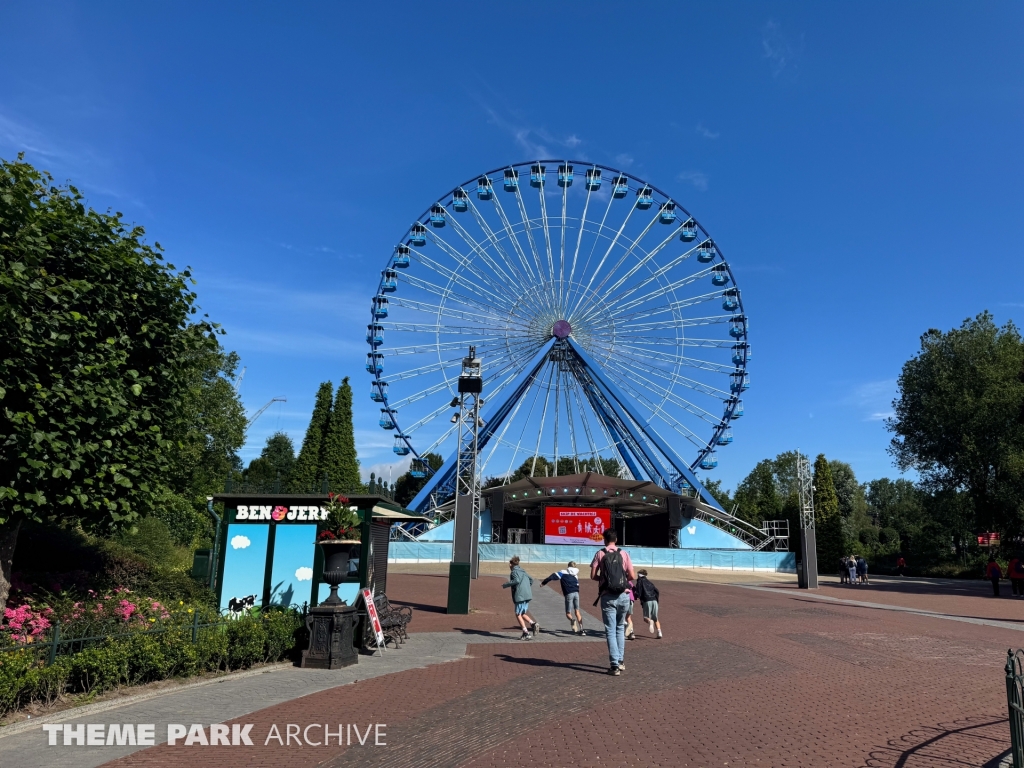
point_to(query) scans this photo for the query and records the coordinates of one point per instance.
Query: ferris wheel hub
(561, 329)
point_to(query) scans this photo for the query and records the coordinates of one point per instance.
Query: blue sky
(859, 165)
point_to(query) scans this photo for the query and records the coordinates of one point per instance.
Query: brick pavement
(743, 678)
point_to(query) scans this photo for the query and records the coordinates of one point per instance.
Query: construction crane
(237, 384)
(259, 413)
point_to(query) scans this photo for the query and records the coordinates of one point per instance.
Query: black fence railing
(1015, 704)
(68, 639)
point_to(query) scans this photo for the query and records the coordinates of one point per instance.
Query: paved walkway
(754, 675)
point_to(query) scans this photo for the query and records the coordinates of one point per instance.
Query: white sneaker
(651, 627)
(659, 634)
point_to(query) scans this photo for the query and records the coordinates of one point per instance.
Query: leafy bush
(141, 648)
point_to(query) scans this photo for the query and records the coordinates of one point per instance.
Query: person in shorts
(648, 596)
(522, 593)
(569, 581)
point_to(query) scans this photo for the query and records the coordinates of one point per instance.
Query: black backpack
(613, 573)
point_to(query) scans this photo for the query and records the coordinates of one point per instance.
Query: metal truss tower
(465, 563)
(808, 573)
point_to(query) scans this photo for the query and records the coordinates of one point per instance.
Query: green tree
(720, 494)
(277, 460)
(828, 523)
(757, 496)
(857, 524)
(307, 474)
(99, 350)
(338, 454)
(959, 418)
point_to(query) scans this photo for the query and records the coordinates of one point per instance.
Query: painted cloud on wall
(240, 542)
(304, 574)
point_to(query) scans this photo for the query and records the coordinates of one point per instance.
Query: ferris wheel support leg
(631, 454)
(493, 417)
(620, 401)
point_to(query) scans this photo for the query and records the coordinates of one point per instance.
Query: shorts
(629, 611)
(522, 608)
(651, 610)
(572, 602)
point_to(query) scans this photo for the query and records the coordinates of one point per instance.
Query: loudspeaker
(675, 512)
(498, 507)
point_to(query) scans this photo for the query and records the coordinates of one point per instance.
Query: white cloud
(304, 573)
(389, 470)
(535, 142)
(240, 542)
(706, 133)
(698, 179)
(779, 48)
(874, 399)
(880, 416)
(624, 160)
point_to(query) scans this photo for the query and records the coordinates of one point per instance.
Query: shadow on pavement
(534, 662)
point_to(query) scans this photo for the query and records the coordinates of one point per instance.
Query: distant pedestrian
(522, 593)
(568, 580)
(844, 571)
(612, 570)
(994, 573)
(901, 565)
(851, 569)
(1015, 570)
(862, 570)
(648, 596)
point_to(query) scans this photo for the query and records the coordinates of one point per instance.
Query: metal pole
(808, 576)
(216, 543)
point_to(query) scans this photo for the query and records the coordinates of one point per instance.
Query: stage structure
(465, 564)
(808, 568)
(609, 326)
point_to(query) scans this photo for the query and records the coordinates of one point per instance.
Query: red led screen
(576, 525)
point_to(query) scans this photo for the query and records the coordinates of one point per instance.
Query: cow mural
(239, 605)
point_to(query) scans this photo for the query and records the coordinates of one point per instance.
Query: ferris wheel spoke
(410, 430)
(579, 240)
(547, 230)
(505, 270)
(607, 253)
(456, 277)
(448, 330)
(561, 250)
(686, 405)
(629, 252)
(671, 287)
(514, 239)
(443, 346)
(524, 278)
(674, 306)
(668, 325)
(533, 385)
(572, 426)
(546, 284)
(499, 281)
(675, 378)
(660, 273)
(543, 416)
(456, 314)
(657, 412)
(446, 294)
(641, 263)
(584, 419)
(600, 228)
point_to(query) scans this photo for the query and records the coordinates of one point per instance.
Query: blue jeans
(613, 609)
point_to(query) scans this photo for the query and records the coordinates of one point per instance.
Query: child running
(568, 579)
(522, 594)
(648, 595)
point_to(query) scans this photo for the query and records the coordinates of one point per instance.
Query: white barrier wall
(725, 559)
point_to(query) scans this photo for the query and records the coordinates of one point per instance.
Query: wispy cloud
(624, 160)
(698, 179)
(535, 142)
(874, 399)
(707, 133)
(779, 48)
(390, 471)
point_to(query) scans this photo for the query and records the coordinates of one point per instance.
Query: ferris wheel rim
(446, 200)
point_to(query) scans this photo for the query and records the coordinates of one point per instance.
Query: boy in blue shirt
(568, 579)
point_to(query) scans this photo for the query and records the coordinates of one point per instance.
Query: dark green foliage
(828, 524)
(140, 657)
(407, 486)
(757, 496)
(959, 419)
(276, 462)
(307, 466)
(720, 494)
(338, 453)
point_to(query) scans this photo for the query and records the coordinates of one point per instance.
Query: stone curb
(102, 706)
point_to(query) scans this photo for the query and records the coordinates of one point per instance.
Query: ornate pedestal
(331, 637)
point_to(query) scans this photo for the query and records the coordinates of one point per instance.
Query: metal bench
(394, 622)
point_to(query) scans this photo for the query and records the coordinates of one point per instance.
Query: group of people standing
(620, 586)
(1014, 572)
(853, 570)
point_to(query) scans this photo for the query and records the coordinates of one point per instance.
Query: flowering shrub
(342, 522)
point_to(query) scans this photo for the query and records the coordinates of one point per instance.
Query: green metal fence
(1015, 704)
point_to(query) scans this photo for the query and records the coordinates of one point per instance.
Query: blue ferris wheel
(608, 322)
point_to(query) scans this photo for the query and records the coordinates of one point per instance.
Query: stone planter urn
(332, 623)
(337, 559)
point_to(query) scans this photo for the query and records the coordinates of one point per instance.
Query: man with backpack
(613, 570)
(568, 580)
